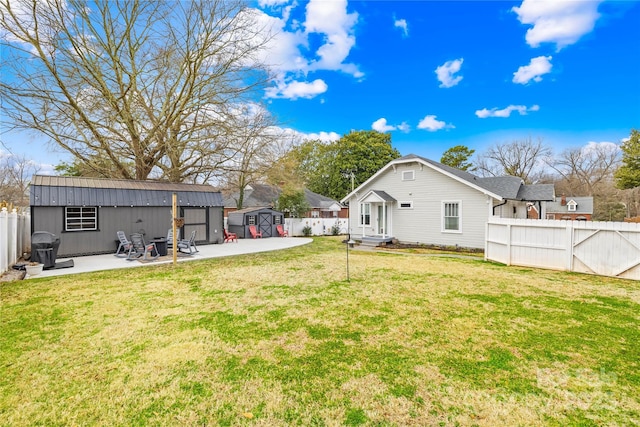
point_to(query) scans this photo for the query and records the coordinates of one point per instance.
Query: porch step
(375, 241)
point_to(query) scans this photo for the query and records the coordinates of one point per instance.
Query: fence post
(4, 240)
(508, 244)
(13, 237)
(569, 244)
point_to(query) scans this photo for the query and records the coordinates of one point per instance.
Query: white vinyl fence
(15, 237)
(603, 248)
(318, 226)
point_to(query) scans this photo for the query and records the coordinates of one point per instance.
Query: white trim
(459, 216)
(81, 219)
(410, 203)
(421, 162)
(409, 175)
(361, 214)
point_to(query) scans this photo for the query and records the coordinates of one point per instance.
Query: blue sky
(437, 74)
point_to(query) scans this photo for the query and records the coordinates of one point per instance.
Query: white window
(405, 205)
(571, 206)
(408, 175)
(80, 218)
(451, 214)
(251, 220)
(365, 214)
(315, 214)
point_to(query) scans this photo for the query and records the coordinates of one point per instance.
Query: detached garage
(86, 213)
(265, 220)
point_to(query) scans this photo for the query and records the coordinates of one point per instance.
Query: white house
(417, 200)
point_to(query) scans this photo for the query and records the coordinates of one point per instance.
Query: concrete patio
(85, 264)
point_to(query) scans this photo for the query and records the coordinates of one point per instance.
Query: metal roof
(78, 191)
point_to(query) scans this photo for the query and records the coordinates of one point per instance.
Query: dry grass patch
(283, 339)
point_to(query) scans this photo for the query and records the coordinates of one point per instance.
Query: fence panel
(15, 237)
(603, 248)
(318, 226)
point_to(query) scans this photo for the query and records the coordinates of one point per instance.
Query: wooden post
(174, 209)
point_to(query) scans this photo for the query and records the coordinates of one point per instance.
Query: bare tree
(585, 170)
(15, 176)
(522, 158)
(260, 144)
(132, 89)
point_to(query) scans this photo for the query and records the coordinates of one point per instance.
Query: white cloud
(446, 73)
(536, 68)
(402, 24)
(506, 112)
(432, 124)
(322, 136)
(562, 22)
(272, 3)
(595, 148)
(287, 51)
(330, 18)
(381, 125)
(295, 89)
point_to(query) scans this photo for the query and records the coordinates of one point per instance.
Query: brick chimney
(563, 200)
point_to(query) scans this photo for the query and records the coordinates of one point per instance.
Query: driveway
(83, 264)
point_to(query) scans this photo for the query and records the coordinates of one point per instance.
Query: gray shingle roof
(584, 205)
(78, 191)
(383, 195)
(266, 195)
(507, 187)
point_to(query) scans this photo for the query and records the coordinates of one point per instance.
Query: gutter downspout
(496, 206)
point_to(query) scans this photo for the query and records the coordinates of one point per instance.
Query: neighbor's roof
(584, 205)
(502, 187)
(77, 191)
(266, 195)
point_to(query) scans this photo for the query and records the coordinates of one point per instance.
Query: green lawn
(283, 339)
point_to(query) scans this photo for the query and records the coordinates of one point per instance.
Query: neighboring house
(264, 195)
(86, 213)
(417, 200)
(571, 208)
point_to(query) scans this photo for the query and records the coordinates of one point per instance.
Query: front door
(382, 219)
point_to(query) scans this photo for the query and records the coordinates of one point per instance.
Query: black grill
(44, 248)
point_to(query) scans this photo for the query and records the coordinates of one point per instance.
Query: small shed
(265, 219)
(86, 213)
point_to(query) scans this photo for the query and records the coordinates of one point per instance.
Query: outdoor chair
(170, 237)
(281, 231)
(141, 249)
(255, 233)
(124, 246)
(189, 244)
(229, 237)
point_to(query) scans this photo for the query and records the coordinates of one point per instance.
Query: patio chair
(124, 246)
(189, 244)
(170, 237)
(281, 231)
(229, 237)
(255, 233)
(141, 249)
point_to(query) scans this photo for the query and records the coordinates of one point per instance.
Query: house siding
(423, 223)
